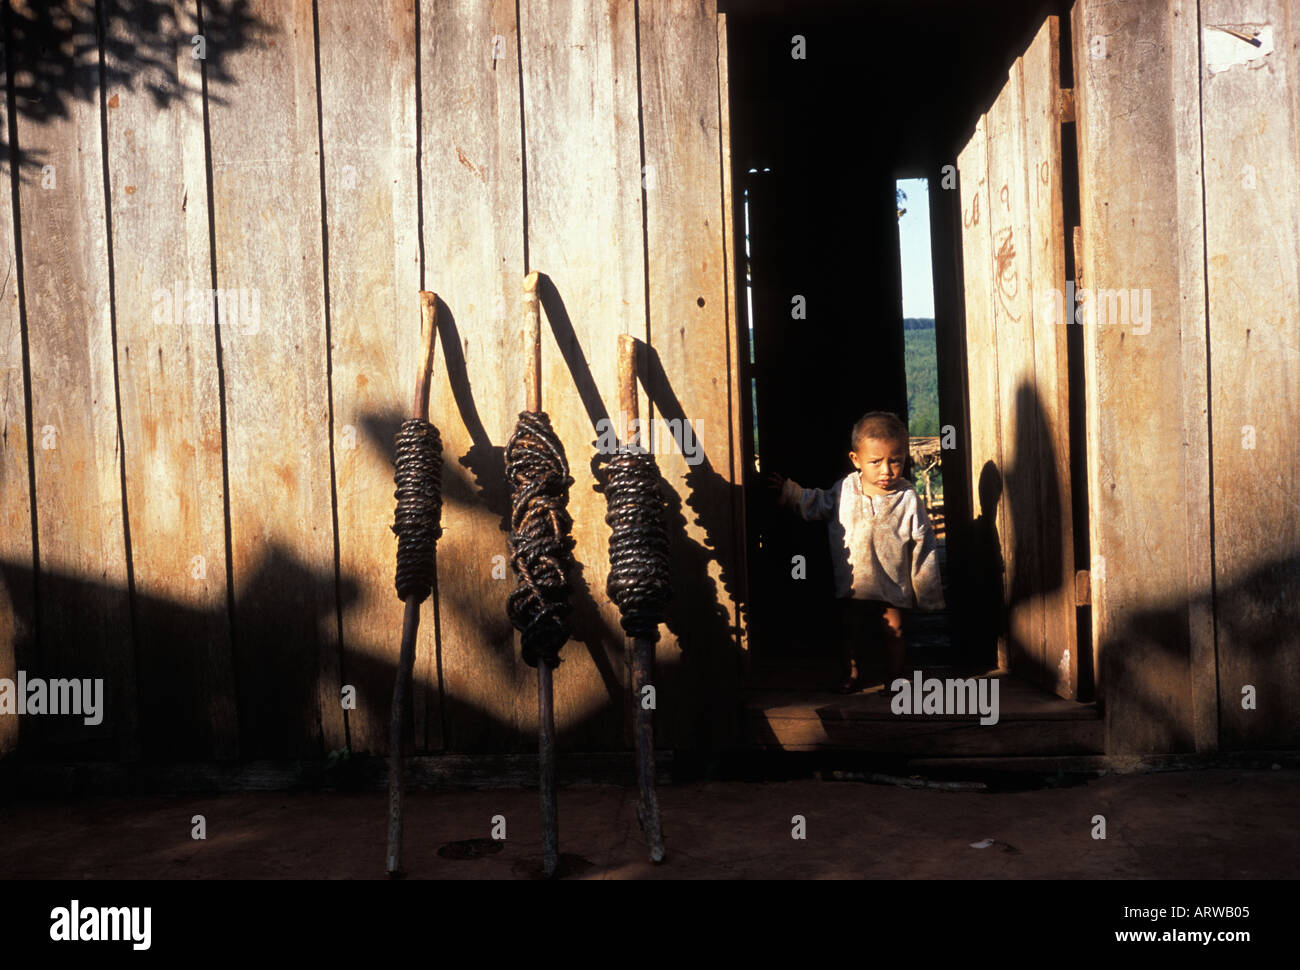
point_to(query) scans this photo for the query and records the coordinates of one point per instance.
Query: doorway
(823, 311)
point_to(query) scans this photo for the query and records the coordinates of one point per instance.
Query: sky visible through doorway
(914, 249)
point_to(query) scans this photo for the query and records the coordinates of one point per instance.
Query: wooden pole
(545, 684)
(411, 617)
(428, 341)
(627, 403)
(642, 649)
(532, 344)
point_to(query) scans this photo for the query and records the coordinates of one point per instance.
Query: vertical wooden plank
(1046, 286)
(945, 227)
(267, 218)
(1185, 52)
(1251, 117)
(16, 554)
(1018, 399)
(83, 615)
(687, 265)
(987, 568)
(1131, 90)
(368, 126)
(171, 411)
(583, 177)
(472, 173)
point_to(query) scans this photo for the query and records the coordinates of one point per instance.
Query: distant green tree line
(922, 377)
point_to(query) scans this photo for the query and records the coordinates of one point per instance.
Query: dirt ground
(1208, 824)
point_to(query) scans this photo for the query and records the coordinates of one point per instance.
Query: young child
(883, 549)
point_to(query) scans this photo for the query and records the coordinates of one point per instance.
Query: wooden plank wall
(16, 593)
(1146, 405)
(213, 524)
(687, 325)
(581, 222)
(1058, 662)
(1250, 114)
(473, 198)
(1193, 595)
(368, 127)
(986, 572)
(472, 176)
(170, 399)
(78, 496)
(1013, 243)
(1013, 313)
(266, 184)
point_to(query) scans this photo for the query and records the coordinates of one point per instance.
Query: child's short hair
(879, 426)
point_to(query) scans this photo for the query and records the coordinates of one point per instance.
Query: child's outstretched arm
(812, 504)
(926, 581)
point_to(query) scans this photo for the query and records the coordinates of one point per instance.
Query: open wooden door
(1013, 252)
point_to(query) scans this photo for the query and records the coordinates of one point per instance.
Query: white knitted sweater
(882, 546)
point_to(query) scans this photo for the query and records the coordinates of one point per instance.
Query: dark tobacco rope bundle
(541, 548)
(638, 546)
(418, 473)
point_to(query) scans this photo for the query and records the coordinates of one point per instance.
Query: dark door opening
(819, 144)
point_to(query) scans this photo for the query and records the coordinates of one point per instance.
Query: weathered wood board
(1058, 665)
(266, 188)
(1185, 63)
(473, 198)
(170, 404)
(1018, 400)
(583, 182)
(83, 616)
(1131, 90)
(368, 129)
(988, 570)
(17, 604)
(1013, 255)
(1250, 113)
(697, 659)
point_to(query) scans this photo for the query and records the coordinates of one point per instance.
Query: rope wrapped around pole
(417, 521)
(541, 547)
(639, 581)
(639, 575)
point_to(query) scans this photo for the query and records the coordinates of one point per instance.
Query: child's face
(881, 464)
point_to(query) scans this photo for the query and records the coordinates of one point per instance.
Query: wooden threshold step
(926, 739)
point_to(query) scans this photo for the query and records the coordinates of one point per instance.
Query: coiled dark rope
(541, 547)
(418, 473)
(638, 546)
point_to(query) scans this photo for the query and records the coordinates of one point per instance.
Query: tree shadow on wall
(196, 682)
(263, 672)
(1145, 667)
(55, 51)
